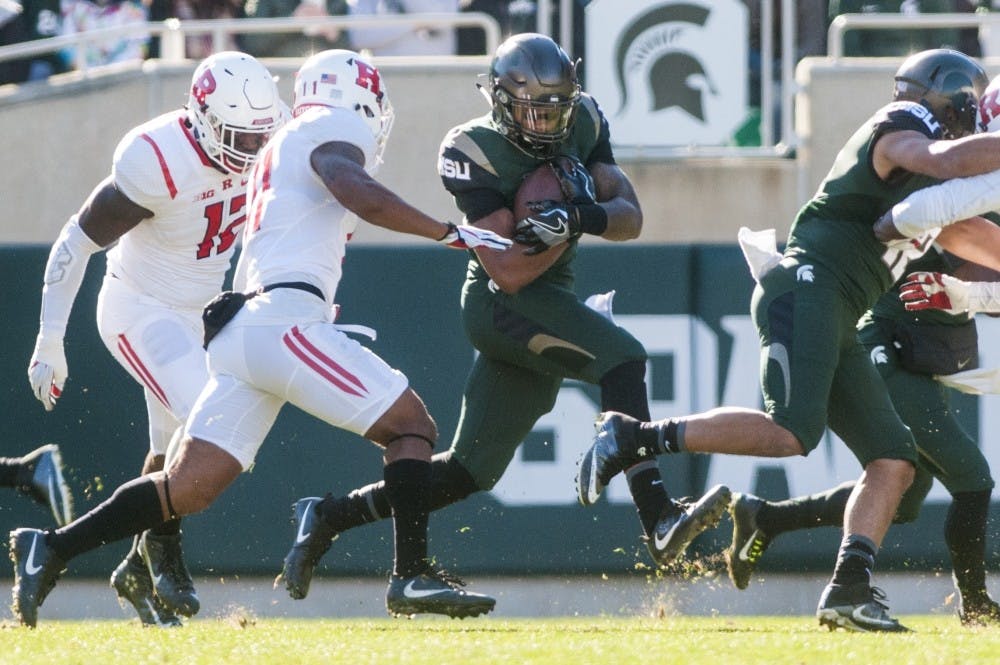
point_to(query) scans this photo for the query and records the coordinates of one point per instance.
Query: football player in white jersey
(168, 214)
(282, 345)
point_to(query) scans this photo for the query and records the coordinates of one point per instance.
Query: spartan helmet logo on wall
(669, 72)
(676, 77)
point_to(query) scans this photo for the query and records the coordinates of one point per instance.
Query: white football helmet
(343, 79)
(234, 108)
(989, 107)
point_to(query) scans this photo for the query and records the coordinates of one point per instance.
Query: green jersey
(482, 169)
(834, 229)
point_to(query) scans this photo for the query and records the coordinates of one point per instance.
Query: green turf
(938, 640)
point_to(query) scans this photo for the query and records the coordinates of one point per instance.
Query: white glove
(934, 290)
(602, 304)
(466, 237)
(47, 371)
(982, 381)
(760, 249)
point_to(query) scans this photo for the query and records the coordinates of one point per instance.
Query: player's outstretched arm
(976, 239)
(341, 166)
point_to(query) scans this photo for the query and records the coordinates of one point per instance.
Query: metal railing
(846, 22)
(173, 32)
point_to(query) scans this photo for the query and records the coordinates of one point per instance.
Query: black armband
(593, 218)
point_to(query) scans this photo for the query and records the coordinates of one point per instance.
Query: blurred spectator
(294, 44)
(884, 43)
(27, 21)
(403, 40)
(472, 41)
(514, 16)
(81, 16)
(197, 47)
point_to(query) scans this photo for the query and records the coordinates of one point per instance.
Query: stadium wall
(688, 304)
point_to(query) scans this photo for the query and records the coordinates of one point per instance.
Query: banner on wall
(668, 73)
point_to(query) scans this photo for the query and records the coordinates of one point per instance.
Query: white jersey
(297, 230)
(180, 255)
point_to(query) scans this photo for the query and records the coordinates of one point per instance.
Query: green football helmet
(534, 92)
(948, 84)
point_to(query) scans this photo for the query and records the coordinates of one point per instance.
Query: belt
(300, 286)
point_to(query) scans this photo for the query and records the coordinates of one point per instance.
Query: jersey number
(214, 215)
(899, 253)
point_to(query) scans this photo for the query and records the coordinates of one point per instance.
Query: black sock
(822, 509)
(648, 493)
(855, 560)
(450, 483)
(965, 534)
(133, 508)
(363, 505)
(623, 389)
(171, 527)
(9, 471)
(406, 482)
(664, 436)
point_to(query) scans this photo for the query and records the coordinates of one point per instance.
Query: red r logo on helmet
(204, 86)
(368, 78)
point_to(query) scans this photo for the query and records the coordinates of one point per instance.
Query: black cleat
(43, 481)
(36, 570)
(434, 592)
(749, 541)
(312, 540)
(979, 611)
(132, 583)
(682, 522)
(171, 580)
(610, 454)
(857, 607)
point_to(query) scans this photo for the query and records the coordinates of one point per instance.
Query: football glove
(550, 224)
(465, 236)
(934, 290)
(575, 180)
(47, 371)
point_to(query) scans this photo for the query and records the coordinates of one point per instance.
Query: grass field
(242, 640)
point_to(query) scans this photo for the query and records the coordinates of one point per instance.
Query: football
(542, 184)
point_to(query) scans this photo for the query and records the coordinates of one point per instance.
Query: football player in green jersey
(520, 311)
(815, 372)
(910, 350)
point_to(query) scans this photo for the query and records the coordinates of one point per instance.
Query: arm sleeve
(948, 202)
(64, 273)
(984, 297)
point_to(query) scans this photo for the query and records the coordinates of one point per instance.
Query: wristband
(593, 218)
